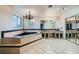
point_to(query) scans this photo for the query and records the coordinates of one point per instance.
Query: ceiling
(42, 9)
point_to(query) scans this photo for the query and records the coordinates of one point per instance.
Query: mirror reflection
(72, 29)
(77, 29)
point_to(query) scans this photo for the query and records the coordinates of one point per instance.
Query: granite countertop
(25, 35)
(20, 37)
(51, 31)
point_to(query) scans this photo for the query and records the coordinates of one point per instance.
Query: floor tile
(53, 46)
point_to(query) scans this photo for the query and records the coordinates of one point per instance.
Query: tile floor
(52, 46)
(75, 40)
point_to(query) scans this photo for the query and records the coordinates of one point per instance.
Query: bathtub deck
(14, 45)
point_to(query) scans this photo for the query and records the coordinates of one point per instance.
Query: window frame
(16, 21)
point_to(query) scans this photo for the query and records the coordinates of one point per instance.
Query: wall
(47, 14)
(6, 14)
(31, 24)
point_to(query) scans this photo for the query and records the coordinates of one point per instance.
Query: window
(16, 21)
(19, 22)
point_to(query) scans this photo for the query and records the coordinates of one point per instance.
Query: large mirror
(77, 29)
(71, 29)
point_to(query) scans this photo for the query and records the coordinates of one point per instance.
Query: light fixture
(50, 6)
(29, 16)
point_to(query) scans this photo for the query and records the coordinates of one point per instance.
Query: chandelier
(29, 16)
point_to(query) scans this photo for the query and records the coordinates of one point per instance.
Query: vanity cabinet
(52, 34)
